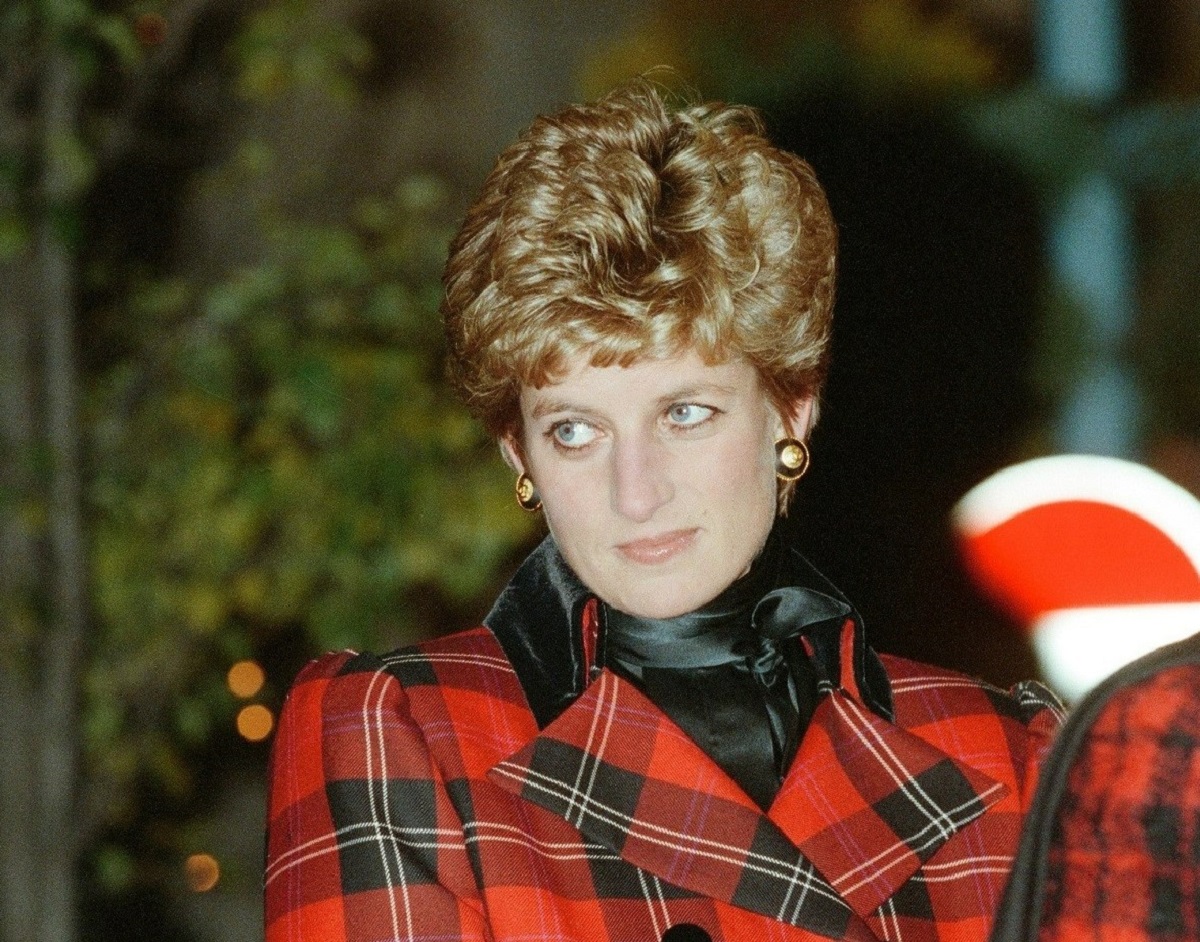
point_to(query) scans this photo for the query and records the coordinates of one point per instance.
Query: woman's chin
(661, 604)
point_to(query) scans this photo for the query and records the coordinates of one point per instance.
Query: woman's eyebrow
(697, 391)
(550, 406)
(544, 407)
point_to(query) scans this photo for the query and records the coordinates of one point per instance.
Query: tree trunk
(43, 604)
(68, 608)
(43, 578)
(20, 576)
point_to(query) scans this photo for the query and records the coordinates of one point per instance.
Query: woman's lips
(658, 549)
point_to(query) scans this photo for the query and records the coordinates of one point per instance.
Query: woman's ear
(510, 449)
(798, 420)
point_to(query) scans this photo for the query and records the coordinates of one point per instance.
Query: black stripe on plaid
(613, 878)
(554, 764)
(459, 792)
(795, 893)
(910, 901)
(411, 667)
(922, 825)
(368, 816)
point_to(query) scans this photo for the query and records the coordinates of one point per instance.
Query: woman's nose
(641, 478)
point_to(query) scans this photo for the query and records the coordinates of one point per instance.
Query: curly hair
(625, 229)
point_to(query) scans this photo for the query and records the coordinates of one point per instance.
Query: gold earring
(527, 495)
(791, 459)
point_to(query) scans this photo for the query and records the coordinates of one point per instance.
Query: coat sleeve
(363, 842)
(1043, 713)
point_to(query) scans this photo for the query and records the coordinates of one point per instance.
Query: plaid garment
(1112, 852)
(413, 796)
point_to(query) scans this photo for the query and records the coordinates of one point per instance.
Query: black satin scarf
(733, 674)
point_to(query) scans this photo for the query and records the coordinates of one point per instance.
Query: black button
(686, 932)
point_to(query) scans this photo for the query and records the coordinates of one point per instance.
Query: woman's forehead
(558, 365)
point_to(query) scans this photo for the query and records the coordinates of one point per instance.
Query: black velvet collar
(539, 622)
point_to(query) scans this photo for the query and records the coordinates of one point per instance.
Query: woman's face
(657, 479)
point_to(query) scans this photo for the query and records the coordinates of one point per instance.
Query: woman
(670, 725)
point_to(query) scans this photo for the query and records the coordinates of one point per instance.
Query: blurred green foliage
(279, 450)
(889, 50)
(272, 455)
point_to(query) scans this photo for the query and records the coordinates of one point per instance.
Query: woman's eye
(573, 434)
(688, 413)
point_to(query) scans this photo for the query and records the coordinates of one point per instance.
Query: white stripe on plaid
(434, 838)
(929, 682)
(966, 867)
(804, 878)
(660, 916)
(593, 755)
(550, 850)
(375, 751)
(889, 921)
(411, 656)
(1028, 694)
(327, 844)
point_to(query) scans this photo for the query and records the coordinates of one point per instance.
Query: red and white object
(1099, 557)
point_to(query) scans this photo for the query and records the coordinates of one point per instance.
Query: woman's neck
(718, 632)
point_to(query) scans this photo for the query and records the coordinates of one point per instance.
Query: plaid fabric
(413, 797)
(1116, 851)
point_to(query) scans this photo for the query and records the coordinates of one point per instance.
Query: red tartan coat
(452, 790)
(1111, 851)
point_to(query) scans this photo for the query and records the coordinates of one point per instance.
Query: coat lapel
(614, 767)
(868, 802)
(864, 805)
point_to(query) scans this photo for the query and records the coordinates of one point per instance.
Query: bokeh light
(255, 722)
(201, 872)
(245, 679)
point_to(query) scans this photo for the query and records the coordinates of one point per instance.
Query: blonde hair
(625, 229)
